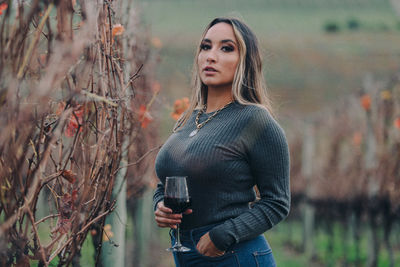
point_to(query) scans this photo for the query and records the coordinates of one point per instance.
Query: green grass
(87, 250)
(285, 240)
(285, 256)
(287, 233)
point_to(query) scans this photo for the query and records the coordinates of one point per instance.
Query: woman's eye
(227, 48)
(205, 47)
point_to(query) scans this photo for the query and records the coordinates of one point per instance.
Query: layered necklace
(201, 111)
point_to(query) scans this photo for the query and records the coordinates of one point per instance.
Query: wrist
(218, 242)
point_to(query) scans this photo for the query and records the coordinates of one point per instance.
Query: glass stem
(178, 237)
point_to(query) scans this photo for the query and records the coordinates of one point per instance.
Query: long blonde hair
(248, 86)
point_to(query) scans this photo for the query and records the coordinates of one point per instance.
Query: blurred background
(98, 86)
(323, 61)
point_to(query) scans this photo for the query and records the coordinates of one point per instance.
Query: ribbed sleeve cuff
(221, 238)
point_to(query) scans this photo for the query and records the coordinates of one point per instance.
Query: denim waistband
(195, 233)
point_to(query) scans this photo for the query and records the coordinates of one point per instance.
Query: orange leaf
(397, 123)
(69, 176)
(107, 233)
(74, 195)
(74, 121)
(180, 106)
(156, 42)
(144, 116)
(70, 131)
(60, 108)
(366, 102)
(117, 29)
(3, 7)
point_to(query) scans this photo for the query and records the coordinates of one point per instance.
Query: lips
(209, 69)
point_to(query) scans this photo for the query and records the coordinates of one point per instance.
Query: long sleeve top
(239, 148)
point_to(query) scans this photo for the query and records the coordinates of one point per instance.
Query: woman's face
(218, 57)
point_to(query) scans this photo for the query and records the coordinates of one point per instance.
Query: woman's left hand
(206, 247)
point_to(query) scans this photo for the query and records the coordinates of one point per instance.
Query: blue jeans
(255, 252)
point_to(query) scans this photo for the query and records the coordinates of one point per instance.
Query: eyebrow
(222, 41)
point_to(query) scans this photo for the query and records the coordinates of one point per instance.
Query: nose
(211, 56)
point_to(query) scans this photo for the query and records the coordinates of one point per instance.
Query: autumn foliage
(3, 6)
(180, 106)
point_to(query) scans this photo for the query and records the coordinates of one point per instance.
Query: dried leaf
(180, 106)
(74, 121)
(63, 225)
(366, 102)
(117, 29)
(107, 233)
(66, 205)
(144, 116)
(397, 123)
(69, 176)
(3, 6)
(156, 42)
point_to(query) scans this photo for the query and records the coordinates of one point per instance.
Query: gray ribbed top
(240, 147)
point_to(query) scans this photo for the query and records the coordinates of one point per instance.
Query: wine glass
(176, 197)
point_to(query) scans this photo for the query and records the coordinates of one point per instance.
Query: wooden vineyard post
(113, 249)
(306, 172)
(370, 162)
(143, 229)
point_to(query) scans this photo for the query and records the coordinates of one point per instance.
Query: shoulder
(258, 116)
(253, 111)
(260, 126)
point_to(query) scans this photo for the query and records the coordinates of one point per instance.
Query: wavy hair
(248, 86)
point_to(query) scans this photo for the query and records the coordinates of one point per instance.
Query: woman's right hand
(165, 218)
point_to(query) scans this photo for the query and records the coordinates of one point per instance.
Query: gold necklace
(201, 111)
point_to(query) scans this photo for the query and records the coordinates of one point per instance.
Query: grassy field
(87, 251)
(289, 254)
(188, 18)
(285, 240)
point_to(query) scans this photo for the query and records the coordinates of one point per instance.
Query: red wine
(178, 205)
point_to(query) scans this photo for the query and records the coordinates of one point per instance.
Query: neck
(217, 99)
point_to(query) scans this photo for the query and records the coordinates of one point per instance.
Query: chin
(210, 82)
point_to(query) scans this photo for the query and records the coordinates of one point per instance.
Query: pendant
(194, 132)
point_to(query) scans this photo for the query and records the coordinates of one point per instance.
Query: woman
(226, 143)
